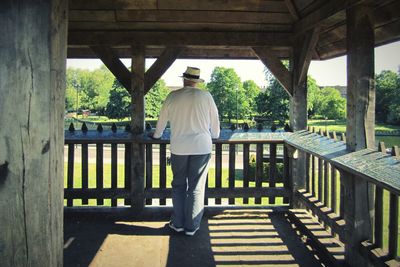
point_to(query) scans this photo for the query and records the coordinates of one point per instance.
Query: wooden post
(358, 206)
(302, 54)
(137, 125)
(32, 90)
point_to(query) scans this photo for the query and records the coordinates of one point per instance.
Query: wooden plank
(99, 171)
(320, 179)
(174, 38)
(92, 15)
(275, 65)
(108, 193)
(308, 177)
(246, 167)
(218, 169)
(137, 126)
(114, 64)
(272, 169)
(114, 171)
(163, 170)
(127, 171)
(228, 5)
(179, 26)
(259, 169)
(70, 171)
(164, 61)
(393, 225)
(313, 180)
(232, 174)
(149, 170)
(85, 170)
(112, 4)
(208, 16)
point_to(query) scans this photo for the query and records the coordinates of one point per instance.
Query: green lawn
(340, 126)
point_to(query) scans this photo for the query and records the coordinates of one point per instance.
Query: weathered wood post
(358, 206)
(137, 123)
(32, 84)
(302, 54)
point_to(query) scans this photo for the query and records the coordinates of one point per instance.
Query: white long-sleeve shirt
(193, 118)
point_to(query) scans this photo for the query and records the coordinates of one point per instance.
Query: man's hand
(151, 135)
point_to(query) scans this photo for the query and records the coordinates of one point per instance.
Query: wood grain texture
(32, 88)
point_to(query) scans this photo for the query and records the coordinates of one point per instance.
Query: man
(194, 121)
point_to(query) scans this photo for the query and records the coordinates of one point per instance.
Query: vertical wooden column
(32, 90)
(137, 125)
(360, 126)
(302, 53)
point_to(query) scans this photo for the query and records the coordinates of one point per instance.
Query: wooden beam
(114, 64)
(276, 67)
(179, 38)
(197, 52)
(137, 125)
(318, 16)
(309, 43)
(228, 5)
(159, 67)
(292, 9)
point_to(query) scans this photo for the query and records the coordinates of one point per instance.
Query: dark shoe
(191, 232)
(176, 229)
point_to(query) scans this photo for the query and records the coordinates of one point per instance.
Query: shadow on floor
(229, 238)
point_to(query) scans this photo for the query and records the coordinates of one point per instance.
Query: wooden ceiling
(219, 28)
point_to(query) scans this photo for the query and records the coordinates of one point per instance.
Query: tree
(273, 104)
(387, 97)
(118, 106)
(227, 90)
(331, 104)
(251, 90)
(154, 99)
(313, 96)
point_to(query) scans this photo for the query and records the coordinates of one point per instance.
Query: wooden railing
(332, 174)
(105, 178)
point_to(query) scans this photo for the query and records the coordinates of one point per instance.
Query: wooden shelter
(38, 36)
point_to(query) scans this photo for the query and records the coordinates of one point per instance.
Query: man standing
(194, 121)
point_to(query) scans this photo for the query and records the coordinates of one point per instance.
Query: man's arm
(162, 121)
(215, 127)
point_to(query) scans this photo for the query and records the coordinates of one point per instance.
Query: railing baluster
(205, 197)
(149, 170)
(259, 169)
(326, 183)
(246, 163)
(272, 169)
(393, 224)
(114, 171)
(313, 180)
(99, 171)
(232, 159)
(378, 240)
(128, 148)
(163, 170)
(342, 195)
(70, 174)
(320, 178)
(308, 164)
(333, 189)
(218, 169)
(85, 171)
(286, 172)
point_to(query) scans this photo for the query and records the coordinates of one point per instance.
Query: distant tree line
(100, 92)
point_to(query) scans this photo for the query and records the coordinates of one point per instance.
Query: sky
(327, 73)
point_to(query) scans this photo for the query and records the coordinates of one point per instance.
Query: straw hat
(192, 74)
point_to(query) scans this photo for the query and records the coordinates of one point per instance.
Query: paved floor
(229, 238)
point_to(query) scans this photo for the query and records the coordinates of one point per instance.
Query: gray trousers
(188, 186)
